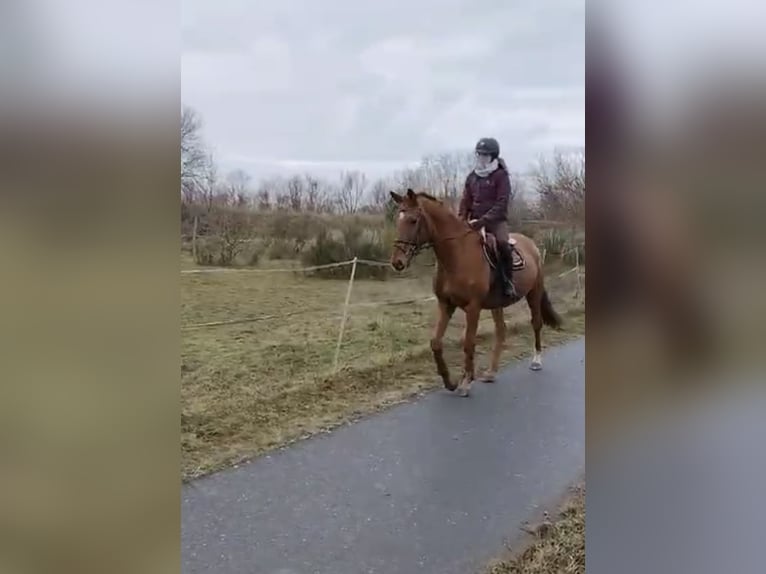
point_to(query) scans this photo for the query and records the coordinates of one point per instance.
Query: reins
(413, 248)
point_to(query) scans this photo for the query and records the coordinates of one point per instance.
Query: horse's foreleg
(499, 319)
(472, 314)
(437, 343)
(535, 300)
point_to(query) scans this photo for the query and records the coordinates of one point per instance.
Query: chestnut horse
(465, 278)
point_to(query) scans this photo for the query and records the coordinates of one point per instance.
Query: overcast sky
(296, 85)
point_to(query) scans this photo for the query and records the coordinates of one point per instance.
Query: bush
(293, 226)
(354, 242)
(574, 254)
(554, 242)
(324, 251)
(214, 251)
(251, 254)
(282, 249)
(209, 251)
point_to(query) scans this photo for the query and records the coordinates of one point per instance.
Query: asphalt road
(436, 486)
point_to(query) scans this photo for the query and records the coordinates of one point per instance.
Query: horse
(466, 278)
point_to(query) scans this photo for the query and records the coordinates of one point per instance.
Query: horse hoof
(488, 379)
(462, 392)
(535, 366)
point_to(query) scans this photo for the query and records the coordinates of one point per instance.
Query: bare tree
(263, 198)
(327, 200)
(445, 173)
(560, 185)
(208, 181)
(570, 175)
(238, 182)
(282, 200)
(414, 178)
(351, 192)
(273, 193)
(194, 158)
(313, 193)
(295, 193)
(231, 228)
(378, 195)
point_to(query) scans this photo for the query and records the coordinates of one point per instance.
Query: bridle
(412, 248)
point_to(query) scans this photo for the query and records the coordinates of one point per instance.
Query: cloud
(300, 84)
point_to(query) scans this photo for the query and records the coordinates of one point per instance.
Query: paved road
(433, 486)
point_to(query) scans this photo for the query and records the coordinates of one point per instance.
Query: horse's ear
(410, 194)
(396, 197)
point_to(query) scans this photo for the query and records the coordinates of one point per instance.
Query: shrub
(282, 249)
(324, 251)
(208, 251)
(554, 242)
(574, 253)
(292, 226)
(251, 254)
(280, 225)
(354, 242)
(213, 250)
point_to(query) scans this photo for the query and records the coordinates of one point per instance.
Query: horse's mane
(429, 197)
(445, 208)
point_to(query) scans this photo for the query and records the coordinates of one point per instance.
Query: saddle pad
(516, 257)
(518, 260)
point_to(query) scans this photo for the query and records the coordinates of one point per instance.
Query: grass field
(254, 386)
(558, 547)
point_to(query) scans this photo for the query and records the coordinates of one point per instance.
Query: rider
(485, 203)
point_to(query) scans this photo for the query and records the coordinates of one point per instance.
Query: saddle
(489, 246)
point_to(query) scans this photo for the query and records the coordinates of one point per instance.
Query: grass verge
(252, 387)
(558, 547)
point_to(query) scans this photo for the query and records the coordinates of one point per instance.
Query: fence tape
(326, 266)
(283, 270)
(369, 304)
(567, 272)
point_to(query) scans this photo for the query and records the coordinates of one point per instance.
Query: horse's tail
(550, 317)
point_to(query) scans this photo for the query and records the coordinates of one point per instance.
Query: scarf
(486, 170)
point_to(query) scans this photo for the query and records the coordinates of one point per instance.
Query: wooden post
(194, 238)
(577, 272)
(345, 315)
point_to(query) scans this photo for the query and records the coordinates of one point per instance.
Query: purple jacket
(486, 198)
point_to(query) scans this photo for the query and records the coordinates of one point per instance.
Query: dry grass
(559, 547)
(251, 387)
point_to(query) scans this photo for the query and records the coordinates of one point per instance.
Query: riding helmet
(488, 146)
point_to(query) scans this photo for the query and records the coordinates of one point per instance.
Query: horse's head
(411, 230)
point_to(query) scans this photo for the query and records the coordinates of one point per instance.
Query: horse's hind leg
(499, 319)
(437, 343)
(535, 300)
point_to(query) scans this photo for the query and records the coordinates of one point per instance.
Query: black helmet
(488, 146)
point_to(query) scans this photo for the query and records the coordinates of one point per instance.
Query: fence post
(577, 272)
(194, 238)
(345, 315)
